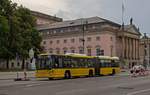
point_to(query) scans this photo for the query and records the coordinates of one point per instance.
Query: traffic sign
(31, 53)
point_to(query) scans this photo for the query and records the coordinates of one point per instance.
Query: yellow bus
(74, 65)
(108, 65)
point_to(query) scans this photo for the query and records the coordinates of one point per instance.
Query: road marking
(137, 92)
(71, 91)
(30, 85)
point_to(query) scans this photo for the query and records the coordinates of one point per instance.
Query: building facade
(93, 36)
(145, 51)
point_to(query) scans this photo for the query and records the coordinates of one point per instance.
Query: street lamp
(84, 28)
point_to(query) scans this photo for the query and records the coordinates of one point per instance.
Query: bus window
(73, 62)
(90, 63)
(115, 63)
(66, 63)
(60, 62)
(102, 63)
(55, 62)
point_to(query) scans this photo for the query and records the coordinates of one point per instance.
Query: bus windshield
(44, 62)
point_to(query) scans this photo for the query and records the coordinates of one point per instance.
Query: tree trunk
(23, 63)
(7, 64)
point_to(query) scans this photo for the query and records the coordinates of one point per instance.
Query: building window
(51, 42)
(89, 39)
(98, 52)
(51, 50)
(97, 38)
(81, 50)
(44, 42)
(72, 51)
(72, 40)
(101, 52)
(57, 50)
(89, 51)
(54, 31)
(111, 38)
(81, 39)
(65, 50)
(65, 41)
(57, 41)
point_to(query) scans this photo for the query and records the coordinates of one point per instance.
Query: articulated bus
(75, 65)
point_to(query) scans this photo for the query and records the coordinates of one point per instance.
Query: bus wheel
(113, 72)
(67, 75)
(50, 78)
(90, 73)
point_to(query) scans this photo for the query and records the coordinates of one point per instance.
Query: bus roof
(104, 57)
(81, 56)
(70, 55)
(115, 58)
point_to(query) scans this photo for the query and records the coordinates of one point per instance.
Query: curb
(15, 78)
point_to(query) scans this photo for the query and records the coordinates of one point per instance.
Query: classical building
(93, 36)
(145, 51)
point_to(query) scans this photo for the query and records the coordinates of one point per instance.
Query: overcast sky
(139, 10)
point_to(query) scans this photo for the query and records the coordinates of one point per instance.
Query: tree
(30, 36)
(4, 28)
(18, 33)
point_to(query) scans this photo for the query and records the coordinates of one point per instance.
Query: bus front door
(97, 68)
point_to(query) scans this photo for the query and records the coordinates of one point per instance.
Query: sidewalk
(125, 72)
(13, 75)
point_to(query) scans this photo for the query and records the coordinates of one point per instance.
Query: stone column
(138, 49)
(132, 49)
(135, 49)
(128, 48)
(123, 46)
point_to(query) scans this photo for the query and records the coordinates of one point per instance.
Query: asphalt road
(106, 85)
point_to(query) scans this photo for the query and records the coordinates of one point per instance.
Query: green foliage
(17, 31)
(4, 28)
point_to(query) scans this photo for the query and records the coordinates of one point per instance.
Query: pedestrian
(25, 74)
(135, 71)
